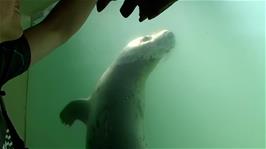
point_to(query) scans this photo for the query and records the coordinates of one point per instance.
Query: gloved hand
(147, 8)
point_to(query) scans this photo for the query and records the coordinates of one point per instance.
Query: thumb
(101, 4)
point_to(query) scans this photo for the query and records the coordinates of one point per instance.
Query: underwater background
(207, 93)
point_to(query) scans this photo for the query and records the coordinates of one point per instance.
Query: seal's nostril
(146, 38)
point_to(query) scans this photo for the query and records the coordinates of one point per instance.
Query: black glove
(147, 8)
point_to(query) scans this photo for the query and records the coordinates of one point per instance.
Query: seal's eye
(146, 38)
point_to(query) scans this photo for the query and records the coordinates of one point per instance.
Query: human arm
(62, 22)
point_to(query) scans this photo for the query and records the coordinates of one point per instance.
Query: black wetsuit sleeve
(15, 58)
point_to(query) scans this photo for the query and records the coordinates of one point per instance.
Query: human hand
(148, 9)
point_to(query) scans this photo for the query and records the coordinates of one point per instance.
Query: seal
(114, 114)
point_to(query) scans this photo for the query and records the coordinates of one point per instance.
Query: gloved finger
(128, 7)
(142, 13)
(101, 4)
(151, 9)
(158, 7)
(142, 18)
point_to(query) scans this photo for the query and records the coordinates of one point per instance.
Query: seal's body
(114, 112)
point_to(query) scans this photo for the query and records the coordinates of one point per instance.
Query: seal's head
(141, 55)
(149, 47)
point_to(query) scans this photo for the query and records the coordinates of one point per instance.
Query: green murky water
(207, 93)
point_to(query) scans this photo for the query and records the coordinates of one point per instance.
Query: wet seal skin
(114, 114)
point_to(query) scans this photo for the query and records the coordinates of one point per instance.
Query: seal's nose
(171, 39)
(166, 40)
(164, 33)
(170, 35)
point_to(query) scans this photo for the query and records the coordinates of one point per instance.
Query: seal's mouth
(164, 40)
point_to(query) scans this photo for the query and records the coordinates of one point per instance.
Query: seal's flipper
(75, 110)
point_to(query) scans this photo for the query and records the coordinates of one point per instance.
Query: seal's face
(141, 55)
(150, 47)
